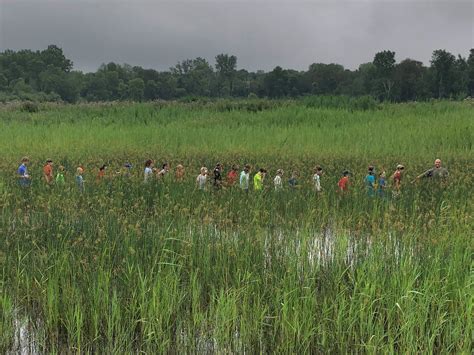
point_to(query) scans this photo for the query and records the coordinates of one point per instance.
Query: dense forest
(47, 75)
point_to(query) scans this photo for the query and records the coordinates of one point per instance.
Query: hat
(400, 166)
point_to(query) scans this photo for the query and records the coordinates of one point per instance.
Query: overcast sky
(261, 33)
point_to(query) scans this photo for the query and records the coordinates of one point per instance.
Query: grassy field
(163, 267)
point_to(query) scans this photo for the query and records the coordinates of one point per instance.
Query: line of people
(374, 184)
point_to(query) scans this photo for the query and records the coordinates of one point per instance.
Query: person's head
(262, 171)
(165, 166)
(219, 166)
(49, 162)
(247, 168)
(235, 167)
(280, 172)
(345, 173)
(61, 168)
(437, 163)
(79, 171)
(371, 170)
(203, 170)
(400, 167)
(25, 160)
(149, 163)
(103, 167)
(294, 174)
(127, 166)
(179, 167)
(382, 174)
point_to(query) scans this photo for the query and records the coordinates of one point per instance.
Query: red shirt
(231, 177)
(344, 183)
(397, 176)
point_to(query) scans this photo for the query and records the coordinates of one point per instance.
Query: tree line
(47, 75)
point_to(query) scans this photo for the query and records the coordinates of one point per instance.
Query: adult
(48, 172)
(436, 172)
(23, 177)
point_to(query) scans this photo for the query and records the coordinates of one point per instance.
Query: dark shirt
(217, 177)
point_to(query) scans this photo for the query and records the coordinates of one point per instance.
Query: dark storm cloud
(262, 34)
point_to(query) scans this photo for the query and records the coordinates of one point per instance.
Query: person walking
(258, 179)
(318, 171)
(436, 172)
(48, 172)
(201, 180)
(232, 176)
(277, 181)
(244, 179)
(370, 181)
(344, 182)
(217, 179)
(24, 178)
(79, 179)
(397, 179)
(148, 172)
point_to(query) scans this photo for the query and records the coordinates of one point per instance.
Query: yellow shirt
(258, 182)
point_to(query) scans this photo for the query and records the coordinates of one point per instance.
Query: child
(60, 180)
(318, 171)
(245, 178)
(48, 172)
(101, 174)
(277, 182)
(148, 173)
(80, 179)
(293, 181)
(165, 168)
(179, 173)
(344, 182)
(258, 179)
(217, 180)
(201, 180)
(381, 184)
(370, 181)
(23, 177)
(232, 175)
(397, 179)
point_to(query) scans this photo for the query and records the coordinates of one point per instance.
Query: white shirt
(317, 182)
(277, 182)
(148, 173)
(201, 181)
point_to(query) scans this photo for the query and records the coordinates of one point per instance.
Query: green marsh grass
(162, 268)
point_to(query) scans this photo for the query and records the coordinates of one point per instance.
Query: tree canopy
(47, 75)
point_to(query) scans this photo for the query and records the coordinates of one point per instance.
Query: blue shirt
(370, 181)
(23, 172)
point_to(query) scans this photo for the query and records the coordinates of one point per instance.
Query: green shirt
(258, 181)
(60, 179)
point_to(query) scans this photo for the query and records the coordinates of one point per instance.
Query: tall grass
(128, 267)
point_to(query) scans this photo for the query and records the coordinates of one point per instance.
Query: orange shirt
(48, 172)
(344, 183)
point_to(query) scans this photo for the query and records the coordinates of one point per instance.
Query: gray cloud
(262, 34)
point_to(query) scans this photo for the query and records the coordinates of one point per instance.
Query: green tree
(470, 69)
(409, 80)
(136, 89)
(384, 63)
(226, 66)
(442, 64)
